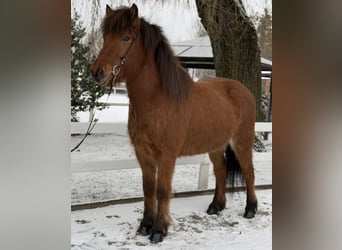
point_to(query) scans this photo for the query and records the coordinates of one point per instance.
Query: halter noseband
(116, 68)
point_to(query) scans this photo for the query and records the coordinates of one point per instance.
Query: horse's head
(120, 30)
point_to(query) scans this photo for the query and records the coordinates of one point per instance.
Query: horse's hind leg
(243, 149)
(220, 170)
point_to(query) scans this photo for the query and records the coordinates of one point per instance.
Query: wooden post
(203, 175)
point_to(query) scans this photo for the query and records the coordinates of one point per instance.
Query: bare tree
(265, 34)
(94, 39)
(234, 43)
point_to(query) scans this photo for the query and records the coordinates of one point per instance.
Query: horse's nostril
(98, 74)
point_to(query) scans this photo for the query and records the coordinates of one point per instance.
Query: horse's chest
(142, 136)
(143, 143)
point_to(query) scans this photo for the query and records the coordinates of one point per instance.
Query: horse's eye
(125, 38)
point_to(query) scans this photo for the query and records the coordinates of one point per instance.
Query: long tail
(234, 173)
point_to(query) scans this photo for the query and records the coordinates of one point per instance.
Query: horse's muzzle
(98, 74)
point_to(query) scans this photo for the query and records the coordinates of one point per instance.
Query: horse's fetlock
(216, 206)
(144, 230)
(219, 204)
(145, 227)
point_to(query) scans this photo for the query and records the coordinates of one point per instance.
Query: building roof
(197, 53)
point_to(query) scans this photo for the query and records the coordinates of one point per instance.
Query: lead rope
(90, 128)
(93, 122)
(115, 72)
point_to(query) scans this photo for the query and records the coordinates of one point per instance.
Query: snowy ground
(114, 227)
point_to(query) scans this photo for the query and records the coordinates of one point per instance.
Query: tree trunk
(234, 43)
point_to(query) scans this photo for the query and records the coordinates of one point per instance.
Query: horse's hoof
(212, 210)
(156, 237)
(249, 213)
(144, 230)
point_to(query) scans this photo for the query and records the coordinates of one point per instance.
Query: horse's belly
(210, 129)
(204, 139)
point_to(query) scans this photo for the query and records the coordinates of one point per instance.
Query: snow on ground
(117, 114)
(114, 227)
(115, 184)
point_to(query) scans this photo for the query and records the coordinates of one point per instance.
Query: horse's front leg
(166, 167)
(149, 186)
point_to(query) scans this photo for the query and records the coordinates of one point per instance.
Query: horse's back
(231, 88)
(234, 91)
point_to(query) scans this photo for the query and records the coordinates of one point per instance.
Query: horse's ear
(135, 16)
(134, 11)
(108, 9)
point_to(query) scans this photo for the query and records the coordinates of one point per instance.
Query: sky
(179, 19)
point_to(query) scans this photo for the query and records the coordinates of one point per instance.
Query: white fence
(202, 160)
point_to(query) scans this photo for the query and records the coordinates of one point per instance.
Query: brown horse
(171, 116)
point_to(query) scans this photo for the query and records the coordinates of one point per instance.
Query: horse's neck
(143, 86)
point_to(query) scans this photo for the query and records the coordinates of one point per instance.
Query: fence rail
(112, 128)
(121, 128)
